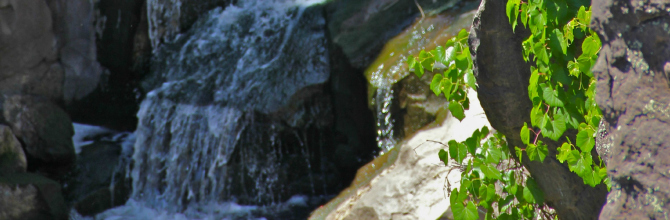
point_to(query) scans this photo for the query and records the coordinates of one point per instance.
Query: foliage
(562, 86)
(562, 90)
(490, 178)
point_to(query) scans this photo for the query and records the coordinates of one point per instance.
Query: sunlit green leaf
(490, 171)
(558, 41)
(550, 96)
(470, 79)
(525, 134)
(585, 140)
(444, 156)
(512, 11)
(537, 152)
(563, 152)
(457, 110)
(468, 212)
(435, 84)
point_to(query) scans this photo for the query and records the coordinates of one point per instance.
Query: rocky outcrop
(167, 18)
(633, 93)
(30, 196)
(409, 182)
(44, 129)
(12, 158)
(503, 76)
(99, 181)
(28, 55)
(362, 28)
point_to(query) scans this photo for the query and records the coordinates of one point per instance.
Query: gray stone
(28, 52)
(502, 76)
(73, 26)
(362, 27)
(12, 158)
(30, 197)
(45, 130)
(633, 93)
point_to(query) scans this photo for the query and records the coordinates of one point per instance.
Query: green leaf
(449, 55)
(536, 116)
(440, 55)
(591, 177)
(541, 52)
(537, 152)
(490, 171)
(581, 15)
(563, 152)
(484, 132)
(585, 140)
(591, 45)
(554, 129)
(558, 41)
(470, 79)
(576, 162)
(457, 151)
(494, 154)
(525, 134)
(463, 34)
(519, 153)
(453, 197)
(465, 213)
(550, 96)
(435, 84)
(444, 157)
(445, 86)
(524, 14)
(532, 192)
(573, 68)
(472, 143)
(457, 110)
(512, 11)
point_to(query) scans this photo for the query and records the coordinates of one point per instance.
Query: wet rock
(44, 129)
(12, 158)
(407, 182)
(502, 76)
(28, 54)
(244, 92)
(99, 181)
(634, 96)
(30, 196)
(167, 18)
(361, 28)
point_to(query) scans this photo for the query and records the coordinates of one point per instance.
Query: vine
(490, 177)
(561, 85)
(562, 90)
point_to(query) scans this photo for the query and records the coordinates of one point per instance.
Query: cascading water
(224, 97)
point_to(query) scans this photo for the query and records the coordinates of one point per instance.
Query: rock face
(12, 158)
(44, 129)
(244, 92)
(633, 93)
(503, 76)
(361, 28)
(28, 54)
(30, 196)
(409, 181)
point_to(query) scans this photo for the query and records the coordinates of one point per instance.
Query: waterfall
(222, 96)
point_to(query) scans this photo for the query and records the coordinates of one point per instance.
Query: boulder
(362, 27)
(502, 76)
(167, 18)
(12, 158)
(28, 53)
(410, 181)
(99, 180)
(73, 26)
(633, 92)
(44, 129)
(30, 197)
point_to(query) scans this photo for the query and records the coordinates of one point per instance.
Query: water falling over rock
(237, 110)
